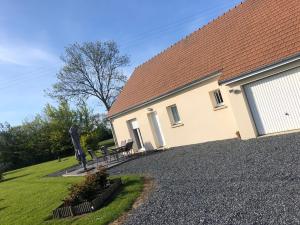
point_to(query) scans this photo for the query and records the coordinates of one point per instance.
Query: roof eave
(260, 70)
(174, 91)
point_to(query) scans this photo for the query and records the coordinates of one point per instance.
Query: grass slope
(28, 197)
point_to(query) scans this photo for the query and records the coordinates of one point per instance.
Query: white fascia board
(261, 70)
(175, 91)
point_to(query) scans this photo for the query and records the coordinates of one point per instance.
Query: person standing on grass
(79, 154)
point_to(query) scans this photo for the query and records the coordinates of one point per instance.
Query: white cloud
(24, 55)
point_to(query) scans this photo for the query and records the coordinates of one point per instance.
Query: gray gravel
(225, 182)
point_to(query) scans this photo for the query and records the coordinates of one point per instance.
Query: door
(153, 117)
(275, 102)
(137, 134)
(138, 138)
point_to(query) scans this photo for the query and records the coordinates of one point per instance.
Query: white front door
(275, 102)
(157, 129)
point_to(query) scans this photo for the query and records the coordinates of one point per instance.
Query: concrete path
(92, 167)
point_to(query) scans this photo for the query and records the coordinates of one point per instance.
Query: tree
(93, 128)
(57, 124)
(23, 145)
(47, 136)
(91, 69)
(88, 120)
(91, 140)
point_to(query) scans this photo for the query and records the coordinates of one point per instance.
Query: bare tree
(91, 69)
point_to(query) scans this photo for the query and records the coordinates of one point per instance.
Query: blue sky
(33, 34)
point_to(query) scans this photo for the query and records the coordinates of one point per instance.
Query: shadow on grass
(48, 218)
(13, 178)
(62, 160)
(131, 183)
(12, 172)
(123, 192)
(2, 208)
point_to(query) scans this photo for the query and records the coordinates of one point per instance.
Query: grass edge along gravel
(28, 197)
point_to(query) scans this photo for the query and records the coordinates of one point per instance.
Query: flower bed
(88, 206)
(89, 195)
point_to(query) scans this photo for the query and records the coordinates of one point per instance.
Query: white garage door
(275, 102)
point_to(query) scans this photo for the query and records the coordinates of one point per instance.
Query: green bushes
(47, 136)
(107, 143)
(86, 190)
(1, 173)
(91, 140)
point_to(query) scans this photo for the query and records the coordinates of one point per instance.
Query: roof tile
(253, 34)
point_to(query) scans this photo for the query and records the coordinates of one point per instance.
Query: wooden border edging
(87, 207)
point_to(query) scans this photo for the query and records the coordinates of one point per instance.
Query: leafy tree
(91, 140)
(91, 69)
(35, 141)
(22, 145)
(93, 127)
(47, 136)
(57, 124)
(88, 120)
(6, 156)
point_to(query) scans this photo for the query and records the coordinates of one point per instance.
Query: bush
(86, 190)
(2, 169)
(91, 140)
(107, 143)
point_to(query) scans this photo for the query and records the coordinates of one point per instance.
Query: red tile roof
(255, 33)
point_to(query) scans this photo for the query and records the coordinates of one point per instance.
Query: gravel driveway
(225, 182)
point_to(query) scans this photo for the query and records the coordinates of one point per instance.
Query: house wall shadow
(2, 208)
(148, 146)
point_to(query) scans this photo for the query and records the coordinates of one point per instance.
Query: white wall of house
(200, 120)
(241, 108)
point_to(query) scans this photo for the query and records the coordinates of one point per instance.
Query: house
(237, 76)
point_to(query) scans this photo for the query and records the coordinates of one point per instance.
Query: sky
(34, 33)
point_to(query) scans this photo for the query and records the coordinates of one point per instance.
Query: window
(174, 115)
(217, 98)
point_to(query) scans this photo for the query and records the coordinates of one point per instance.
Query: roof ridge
(238, 43)
(189, 35)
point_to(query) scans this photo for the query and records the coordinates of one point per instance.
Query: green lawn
(28, 197)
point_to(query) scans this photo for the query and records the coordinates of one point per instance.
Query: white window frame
(173, 120)
(217, 98)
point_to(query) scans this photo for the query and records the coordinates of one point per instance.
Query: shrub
(83, 142)
(86, 190)
(91, 140)
(2, 169)
(107, 143)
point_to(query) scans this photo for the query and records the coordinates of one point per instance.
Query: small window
(217, 98)
(174, 115)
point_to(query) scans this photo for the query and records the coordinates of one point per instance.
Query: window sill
(177, 125)
(220, 107)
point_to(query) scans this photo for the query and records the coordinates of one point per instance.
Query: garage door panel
(255, 110)
(275, 102)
